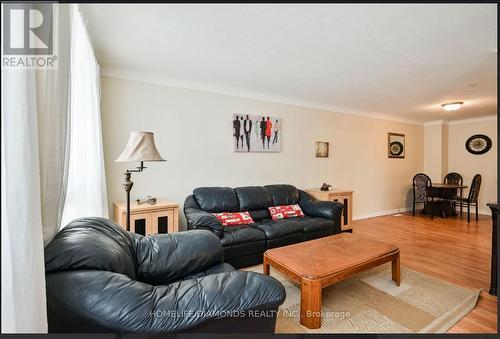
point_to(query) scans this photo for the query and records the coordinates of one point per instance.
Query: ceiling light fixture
(452, 106)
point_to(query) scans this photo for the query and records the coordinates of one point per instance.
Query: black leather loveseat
(100, 278)
(244, 246)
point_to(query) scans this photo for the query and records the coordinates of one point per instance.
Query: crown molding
(472, 120)
(435, 122)
(461, 121)
(156, 79)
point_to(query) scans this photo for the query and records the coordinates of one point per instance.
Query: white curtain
(86, 190)
(23, 273)
(52, 166)
(53, 98)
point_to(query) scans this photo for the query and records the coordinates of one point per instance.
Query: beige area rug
(370, 302)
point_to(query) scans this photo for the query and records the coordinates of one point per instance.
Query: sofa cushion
(164, 258)
(279, 228)
(286, 212)
(253, 198)
(283, 194)
(286, 240)
(91, 244)
(260, 214)
(220, 268)
(249, 249)
(234, 218)
(240, 235)
(312, 224)
(216, 199)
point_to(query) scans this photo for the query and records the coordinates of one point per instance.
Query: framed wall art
(396, 145)
(256, 133)
(322, 149)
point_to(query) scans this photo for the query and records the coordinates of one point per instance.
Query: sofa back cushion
(216, 199)
(283, 194)
(92, 244)
(253, 198)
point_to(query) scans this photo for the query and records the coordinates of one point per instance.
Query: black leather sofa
(244, 246)
(100, 278)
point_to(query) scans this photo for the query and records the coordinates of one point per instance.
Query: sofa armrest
(103, 301)
(168, 257)
(198, 218)
(319, 208)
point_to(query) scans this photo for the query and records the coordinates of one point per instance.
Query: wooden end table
(319, 263)
(146, 219)
(341, 195)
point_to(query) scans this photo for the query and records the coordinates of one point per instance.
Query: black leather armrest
(318, 208)
(168, 257)
(198, 218)
(104, 301)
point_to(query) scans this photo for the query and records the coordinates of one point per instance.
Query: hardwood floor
(449, 249)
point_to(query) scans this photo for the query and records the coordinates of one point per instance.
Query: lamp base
(127, 185)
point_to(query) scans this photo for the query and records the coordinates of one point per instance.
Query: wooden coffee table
(319, 263)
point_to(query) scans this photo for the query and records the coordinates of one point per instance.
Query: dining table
(445, 192)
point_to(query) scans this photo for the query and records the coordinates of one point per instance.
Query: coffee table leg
(265, 265)
(310, 303)
(396, 270)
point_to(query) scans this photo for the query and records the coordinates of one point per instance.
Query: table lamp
(140, 147)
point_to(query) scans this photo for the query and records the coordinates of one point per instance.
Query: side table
(341, 195)
(146, 219)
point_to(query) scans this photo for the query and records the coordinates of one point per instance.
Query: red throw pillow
(286, 211)
(234, 218)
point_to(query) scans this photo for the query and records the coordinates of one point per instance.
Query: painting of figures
(256, 133)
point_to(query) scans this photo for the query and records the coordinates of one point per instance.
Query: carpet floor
(370, 302)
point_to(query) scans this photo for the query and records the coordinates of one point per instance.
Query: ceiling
(392, 61)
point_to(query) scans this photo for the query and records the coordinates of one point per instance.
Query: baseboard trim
(381, 213)
(473, 211)
(399, 210)
(485, 212)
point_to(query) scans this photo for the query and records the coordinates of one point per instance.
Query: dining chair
(422, 186)
(472, 197)
(456, 179)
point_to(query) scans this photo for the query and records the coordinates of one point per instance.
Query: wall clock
(478, 144)
(396, 148)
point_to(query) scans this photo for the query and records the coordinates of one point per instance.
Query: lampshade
(140, 147)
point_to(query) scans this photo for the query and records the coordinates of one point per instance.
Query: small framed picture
(322, 149)
(396, 145)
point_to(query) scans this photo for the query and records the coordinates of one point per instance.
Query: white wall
(433, 150)
(445, 135)
(436, 150)
(467, 164)
(193, 131)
